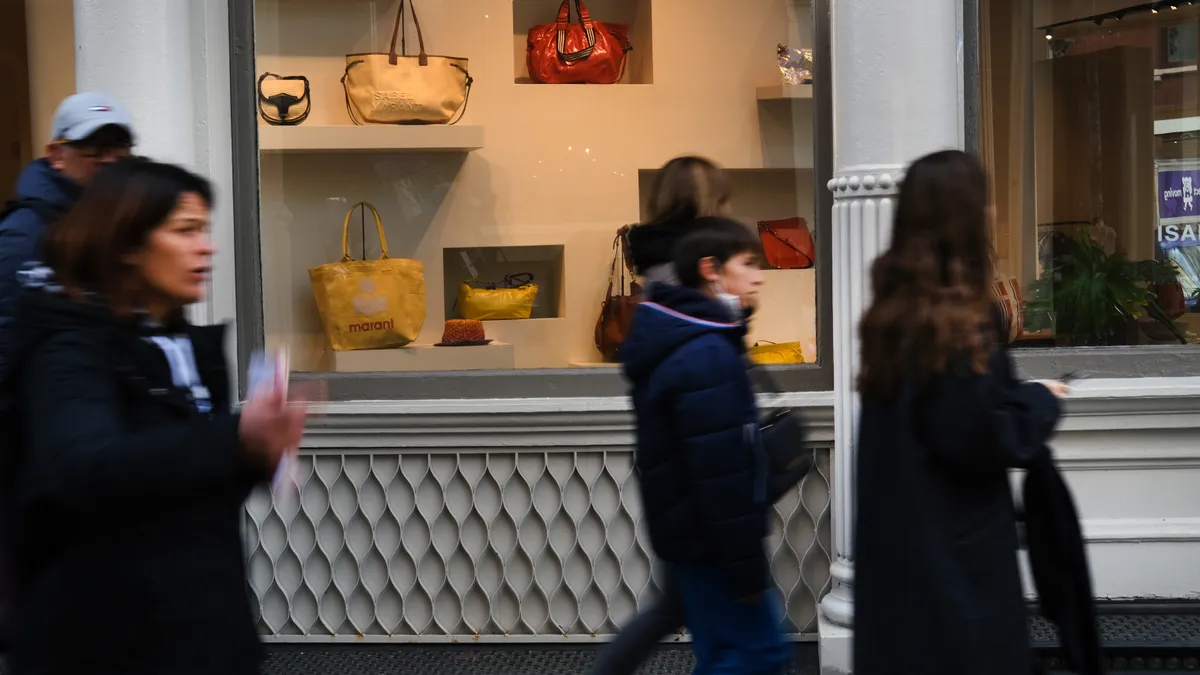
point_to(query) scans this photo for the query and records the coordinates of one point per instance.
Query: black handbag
(783, 434)
(282, 94)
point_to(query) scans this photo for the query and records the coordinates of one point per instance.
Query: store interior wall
(50, 32)
(561, 166)
(15, 147)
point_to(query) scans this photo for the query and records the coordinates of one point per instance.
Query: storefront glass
(1089, 124)
(501, 201)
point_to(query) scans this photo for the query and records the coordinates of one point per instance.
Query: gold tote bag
(369, 304)
(402, 89)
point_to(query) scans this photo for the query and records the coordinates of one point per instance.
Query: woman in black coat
(131, 468)
(943, 420)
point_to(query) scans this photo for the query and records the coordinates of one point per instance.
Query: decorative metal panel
(443, 546)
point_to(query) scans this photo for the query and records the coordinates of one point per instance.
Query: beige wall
(560, 164)
(51, 34)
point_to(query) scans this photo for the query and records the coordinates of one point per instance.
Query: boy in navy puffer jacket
(702, 463)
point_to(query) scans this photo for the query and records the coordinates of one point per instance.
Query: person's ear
(709, 268)
(56, 155)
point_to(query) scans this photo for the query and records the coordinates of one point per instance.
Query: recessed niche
(635, 14)
(493, 264)
(758, 194)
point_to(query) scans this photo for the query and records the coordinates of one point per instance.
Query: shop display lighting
(1117, 14)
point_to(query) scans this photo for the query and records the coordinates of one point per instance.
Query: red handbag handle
(422, 58)
(585, 20)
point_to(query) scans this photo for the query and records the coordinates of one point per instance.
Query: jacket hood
(38, 180)
(675, 316)
(44, 307)
(653, 244)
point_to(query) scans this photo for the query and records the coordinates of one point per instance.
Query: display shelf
(635, 14)
(494, 263)
(785, 92)
(373, 138)
(427, 358)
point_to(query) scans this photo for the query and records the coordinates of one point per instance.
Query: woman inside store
(132, 469)
(943, 420)
(686, 188)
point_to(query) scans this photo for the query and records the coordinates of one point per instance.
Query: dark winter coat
(129, 502)
(21, 232)
(699, 452)
(937, 588)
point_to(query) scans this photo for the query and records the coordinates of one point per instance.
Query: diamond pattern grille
(438, 546)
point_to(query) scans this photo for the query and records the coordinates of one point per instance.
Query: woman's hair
(687, 188)
(931, 288)
(713, 237)
(124, 203)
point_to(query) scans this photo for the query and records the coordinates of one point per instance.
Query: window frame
(1132, 361)
(507, 384)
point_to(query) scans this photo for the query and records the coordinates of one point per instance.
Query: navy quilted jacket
(699, 454)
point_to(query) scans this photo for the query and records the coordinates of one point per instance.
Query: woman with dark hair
(132, 469)
(943, 420)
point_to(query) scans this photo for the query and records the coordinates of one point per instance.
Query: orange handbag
(787, 244)
(590, 52)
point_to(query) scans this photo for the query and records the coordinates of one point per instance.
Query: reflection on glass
(1090, 121)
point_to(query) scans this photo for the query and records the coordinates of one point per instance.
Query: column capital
(881, 180)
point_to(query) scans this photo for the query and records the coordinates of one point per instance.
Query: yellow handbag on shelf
(369, 304)
(512, 298)
(766, 353)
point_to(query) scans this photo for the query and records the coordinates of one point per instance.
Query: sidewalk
(480, 660)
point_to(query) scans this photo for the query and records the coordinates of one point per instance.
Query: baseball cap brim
(83, 130)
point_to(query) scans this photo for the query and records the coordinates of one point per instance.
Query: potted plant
(1095, 298)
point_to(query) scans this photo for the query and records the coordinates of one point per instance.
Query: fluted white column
(168, 62)
(897, 81)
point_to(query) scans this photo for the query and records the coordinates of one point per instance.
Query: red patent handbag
(787, 244)
(590, 52)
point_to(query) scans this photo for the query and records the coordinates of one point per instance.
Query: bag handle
(346, 232)
(564, 21)
(422, 57)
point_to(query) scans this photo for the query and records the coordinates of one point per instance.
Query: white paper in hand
(269, 372)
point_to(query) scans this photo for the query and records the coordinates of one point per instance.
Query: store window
(1090, 125)
(502, 169)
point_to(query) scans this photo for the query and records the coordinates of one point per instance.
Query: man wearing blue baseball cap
(89, 130)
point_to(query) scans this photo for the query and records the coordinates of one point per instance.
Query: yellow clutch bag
(774, 354)
(512, 298)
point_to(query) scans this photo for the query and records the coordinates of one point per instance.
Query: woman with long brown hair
(943, 420)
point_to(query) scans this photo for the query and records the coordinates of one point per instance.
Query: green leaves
(1093, 295)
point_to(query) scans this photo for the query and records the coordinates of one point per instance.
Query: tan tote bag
(369, 304)
(402, 89)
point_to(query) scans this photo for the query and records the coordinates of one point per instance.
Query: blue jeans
(730, 636)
